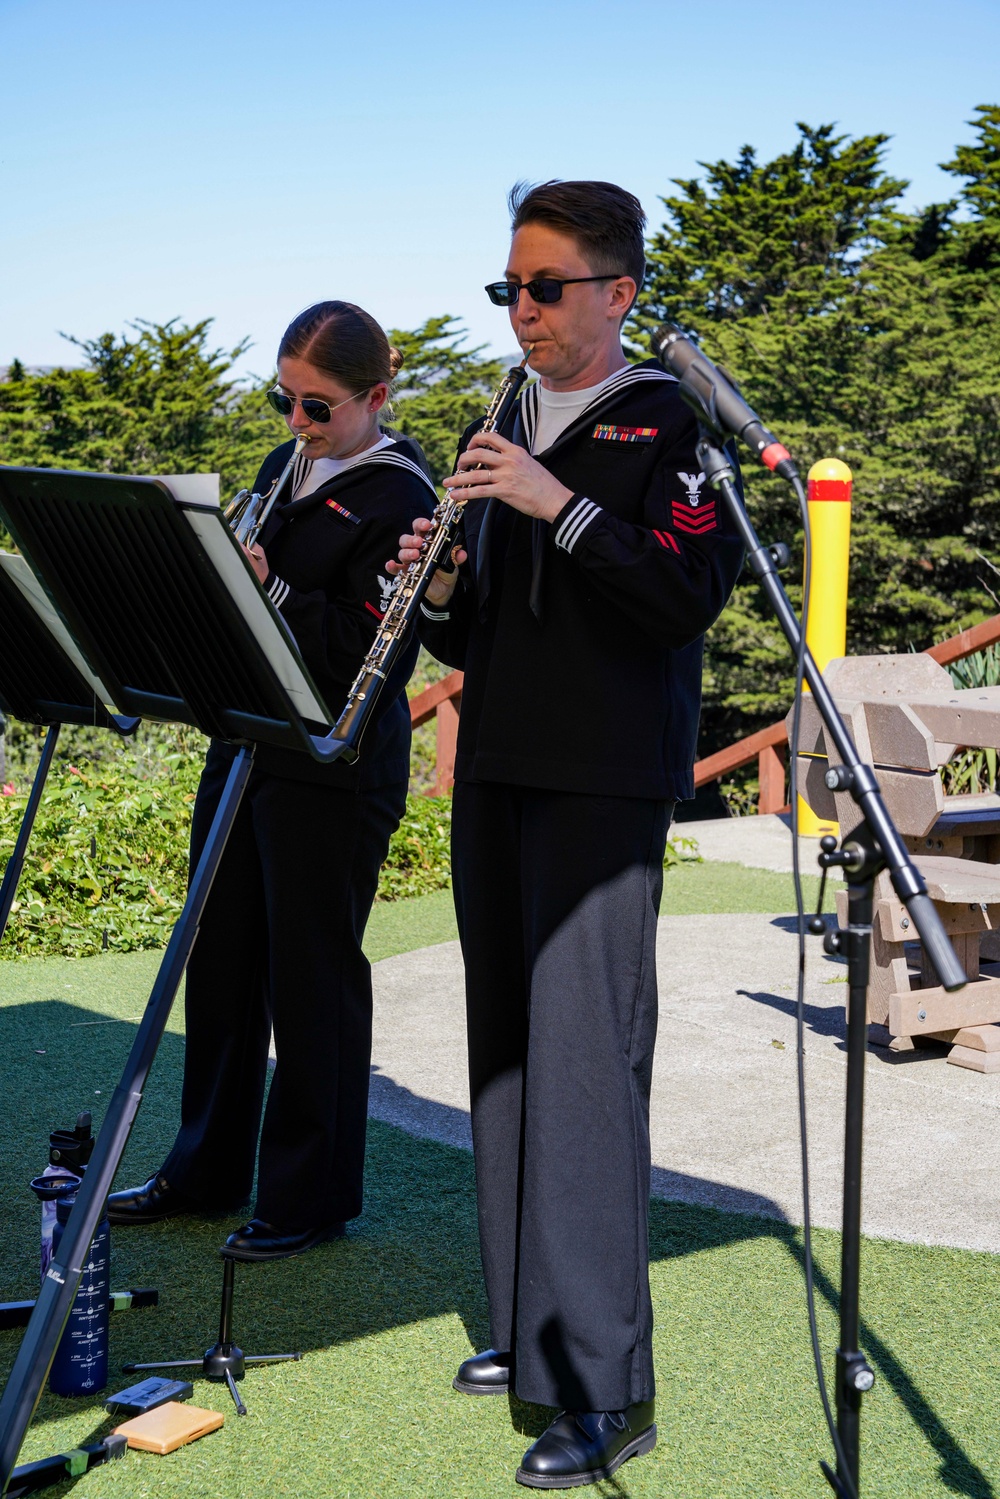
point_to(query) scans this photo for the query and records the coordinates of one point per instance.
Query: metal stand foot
(225, 1362)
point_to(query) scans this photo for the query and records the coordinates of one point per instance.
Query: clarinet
(411, 585)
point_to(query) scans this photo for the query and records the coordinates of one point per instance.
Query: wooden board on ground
(168, 1427)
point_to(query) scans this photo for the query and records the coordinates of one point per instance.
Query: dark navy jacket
(581, 640)
(327, 554)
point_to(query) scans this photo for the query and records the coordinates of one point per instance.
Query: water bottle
(80, 1366)
(48, 1188)
(69, 1152)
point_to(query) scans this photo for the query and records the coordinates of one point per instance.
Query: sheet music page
(272, 636)
(193, 489)
(18, 570)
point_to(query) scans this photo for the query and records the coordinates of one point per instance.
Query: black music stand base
(30, 1477)
(225, 1362)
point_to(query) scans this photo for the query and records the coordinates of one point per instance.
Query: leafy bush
(107, 863)
(419, 857)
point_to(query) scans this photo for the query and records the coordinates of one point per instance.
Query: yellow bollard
(826, 634)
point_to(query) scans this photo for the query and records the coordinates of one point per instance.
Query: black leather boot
(585, 1446)
(484, 1374)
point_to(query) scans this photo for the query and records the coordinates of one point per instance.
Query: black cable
(843, 1478)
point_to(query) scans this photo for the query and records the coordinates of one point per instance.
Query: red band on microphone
(774, 454)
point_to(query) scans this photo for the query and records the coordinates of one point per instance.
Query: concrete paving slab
(724, 1121)
(759, 842)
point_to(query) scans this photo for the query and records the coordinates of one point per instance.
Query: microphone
(716, 401)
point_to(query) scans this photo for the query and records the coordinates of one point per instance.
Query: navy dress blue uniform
(280, 940)
(581, 642)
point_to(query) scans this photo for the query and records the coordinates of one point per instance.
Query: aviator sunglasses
(316, 411)
(543, 289)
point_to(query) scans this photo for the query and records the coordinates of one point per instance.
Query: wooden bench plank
(977, 1004)
(966, 880)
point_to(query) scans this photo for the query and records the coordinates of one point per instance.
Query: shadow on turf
(412, 1256)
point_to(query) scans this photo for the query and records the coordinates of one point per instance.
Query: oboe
(412, 583)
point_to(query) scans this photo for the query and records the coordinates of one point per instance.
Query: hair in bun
(396, 361)
(343, 341)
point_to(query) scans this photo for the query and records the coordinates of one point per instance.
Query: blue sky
(196, 158)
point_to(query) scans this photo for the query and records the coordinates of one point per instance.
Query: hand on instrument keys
(442, 585)
(511, 474)
(257, 560)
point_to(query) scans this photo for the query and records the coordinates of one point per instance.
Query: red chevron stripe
(666, 540)
(690, 522)
(685, 525)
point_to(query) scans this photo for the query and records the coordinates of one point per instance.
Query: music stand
(161, 601)
(45, 681)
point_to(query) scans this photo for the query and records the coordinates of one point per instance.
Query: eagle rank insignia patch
(610, 433)
(696, 512)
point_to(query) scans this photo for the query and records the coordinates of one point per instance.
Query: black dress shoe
(586, 1446)
(149, 1203)
(485, 1374)
(258, 1240)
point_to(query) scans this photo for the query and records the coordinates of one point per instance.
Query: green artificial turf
(384, 1316)
(690, 889)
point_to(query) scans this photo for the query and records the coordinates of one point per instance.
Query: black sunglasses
(544, 289)
(316, 411)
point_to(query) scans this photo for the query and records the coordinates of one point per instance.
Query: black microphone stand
(871, 847)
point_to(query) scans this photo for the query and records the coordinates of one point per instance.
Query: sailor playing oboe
(595, 562)
(280, 941)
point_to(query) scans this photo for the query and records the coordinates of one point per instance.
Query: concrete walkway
(724, 1118)
(759, 842)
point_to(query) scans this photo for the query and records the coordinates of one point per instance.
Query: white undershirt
(320, 470)
(557, 409)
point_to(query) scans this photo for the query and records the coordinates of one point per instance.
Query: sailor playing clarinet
(594, 561)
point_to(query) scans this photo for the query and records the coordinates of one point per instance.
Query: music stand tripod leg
(55, 1300)
(15, 863)
(225, 1362)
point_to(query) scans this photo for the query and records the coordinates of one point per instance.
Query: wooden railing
(442, 700)
(769, 747)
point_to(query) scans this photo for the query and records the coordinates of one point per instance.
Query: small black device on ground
(147, 1395)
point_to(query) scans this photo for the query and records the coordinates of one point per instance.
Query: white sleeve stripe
(571, 538)
(434, 613)
(278, 592)
(579, 514)
(575, 523)
(569, 519)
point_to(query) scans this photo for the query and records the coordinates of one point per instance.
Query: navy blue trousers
(557, 898)
(280, 945)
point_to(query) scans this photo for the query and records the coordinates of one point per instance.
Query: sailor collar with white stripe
(377, 455)
(633, 374)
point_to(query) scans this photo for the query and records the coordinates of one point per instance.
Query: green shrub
(107, 862)
(419, 857)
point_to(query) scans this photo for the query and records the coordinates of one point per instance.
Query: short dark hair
(606, 222)
(343, 341)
